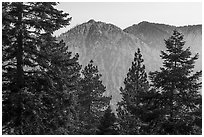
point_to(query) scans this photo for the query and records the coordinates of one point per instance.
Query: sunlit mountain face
(112, 49)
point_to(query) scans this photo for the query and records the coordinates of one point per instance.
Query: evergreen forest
(46, 91)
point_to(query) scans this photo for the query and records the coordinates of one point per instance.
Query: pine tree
(62, 74)
(91, 98)
(150, 112)
(136, 85)
(39, 75)
(179, 87)
(107, 123)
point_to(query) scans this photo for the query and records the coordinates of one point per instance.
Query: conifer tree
(179, 87)
(107, 123)
(150, 112)
(91, 98)
(39, 75)
(136, 85)
(61, 71)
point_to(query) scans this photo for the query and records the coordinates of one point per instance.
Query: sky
(125, 14)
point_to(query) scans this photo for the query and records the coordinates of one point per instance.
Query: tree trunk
(19, 58)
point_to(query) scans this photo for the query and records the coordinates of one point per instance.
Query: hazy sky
(126, 14)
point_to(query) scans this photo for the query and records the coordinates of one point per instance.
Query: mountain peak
(144, 22)
(91, 21)
(112, 49)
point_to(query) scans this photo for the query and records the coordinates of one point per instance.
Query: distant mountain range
(112, 49)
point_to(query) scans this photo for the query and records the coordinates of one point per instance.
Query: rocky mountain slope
(112, 49)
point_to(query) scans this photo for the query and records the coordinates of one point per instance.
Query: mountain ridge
(112, 49)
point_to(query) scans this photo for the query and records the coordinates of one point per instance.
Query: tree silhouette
(179, 87)
(107, 123)
(131, 106)
(91, 98)
(39, 76)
